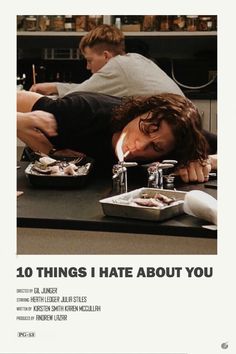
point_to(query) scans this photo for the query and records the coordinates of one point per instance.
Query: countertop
(79, 209)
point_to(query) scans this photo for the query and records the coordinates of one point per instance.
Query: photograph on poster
(119, 246)
(117, 134)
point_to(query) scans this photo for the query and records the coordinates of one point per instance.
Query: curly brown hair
(104, 37)
(180, 114)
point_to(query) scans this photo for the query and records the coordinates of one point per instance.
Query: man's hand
(34, 128)
(45, 88)
(37, 120)
(198, 171)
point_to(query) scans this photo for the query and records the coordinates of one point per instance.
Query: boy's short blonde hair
(104, 37)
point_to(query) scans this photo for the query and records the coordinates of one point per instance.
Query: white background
(156, 315)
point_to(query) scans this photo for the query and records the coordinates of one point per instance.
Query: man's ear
(107, 55)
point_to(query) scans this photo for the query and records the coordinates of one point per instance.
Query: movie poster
(75, 280)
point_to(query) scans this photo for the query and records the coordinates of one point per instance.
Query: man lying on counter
(152, 128)
(114, 72)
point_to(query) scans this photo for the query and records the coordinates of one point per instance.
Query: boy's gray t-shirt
(125, 75)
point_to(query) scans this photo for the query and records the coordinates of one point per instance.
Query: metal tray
(57, 181)
(119, 205)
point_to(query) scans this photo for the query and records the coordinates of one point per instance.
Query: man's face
(96, 59)
(150, 146)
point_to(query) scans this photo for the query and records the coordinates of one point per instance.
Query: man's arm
(109, 80)
(33, 129)
(198, 171)
(97, 83)
(45, 88)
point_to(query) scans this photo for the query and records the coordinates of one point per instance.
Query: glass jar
(20, 82)
(205, 23)
(149, 23)
(80, 23)
(68, 24)
(178, 23)
(94, 21)
(43, 23)
(30, 23)
(164, 23)
(214, 23)
(192, 23)
(58, 23)
(20, 23)
(117, 22)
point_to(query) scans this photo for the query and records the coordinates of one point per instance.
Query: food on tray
(52, 167)
(158, 200)
(150, 202)
(47, 161)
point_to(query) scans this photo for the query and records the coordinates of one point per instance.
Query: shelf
(170, 33)
(131, 34)
(50, 34)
